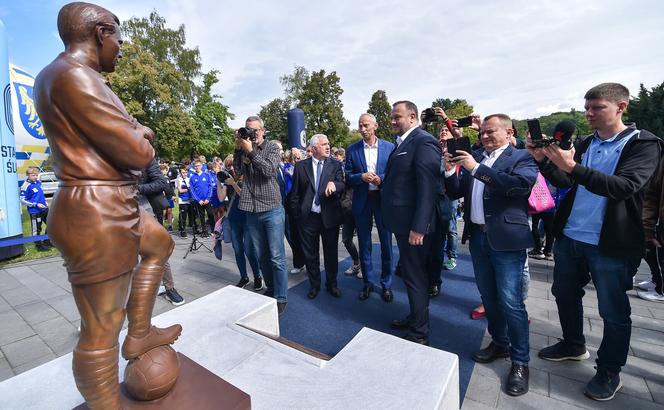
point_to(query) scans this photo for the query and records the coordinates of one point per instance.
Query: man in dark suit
(315, 200)
(366, 161)
(496, 182)
(408, 198)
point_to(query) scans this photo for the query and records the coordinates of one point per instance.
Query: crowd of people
(410, 190)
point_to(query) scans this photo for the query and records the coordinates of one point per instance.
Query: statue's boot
(96, 376)
(141, 336)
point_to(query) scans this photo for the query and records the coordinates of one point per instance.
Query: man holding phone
(496, 182)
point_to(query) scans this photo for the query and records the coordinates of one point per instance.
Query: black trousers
(294, 240)
(547, 219)
(347, 232)
(435, 258)
(413, 262)
(37, 220)
(186, 213)
(311, 232)
(203, 210)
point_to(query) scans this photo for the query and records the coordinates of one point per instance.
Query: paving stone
(537, 341)
(20, 296)
(36, 312)
(7, 281)
(469, 404)
(65, 305)
(571, 391)
(4, 306)
(647, 351)
(5, 370)
(13, 327)
(532, 400)
(656, 313)
(37, 362)
(41, 286)
(539, 381)
(657, 391)
(483, 389)
(59, 334)
(25, 350)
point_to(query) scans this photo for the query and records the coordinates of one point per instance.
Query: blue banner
(297, 138)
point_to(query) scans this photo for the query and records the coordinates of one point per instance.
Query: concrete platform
(374, 370)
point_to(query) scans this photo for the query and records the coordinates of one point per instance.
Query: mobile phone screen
(464, 122)
(534, 130)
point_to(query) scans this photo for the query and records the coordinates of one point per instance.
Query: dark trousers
(547, 220)
(412, 261)
(203, 210)
(37, 220)
(186, 213)
(364, 222)
(575, 264)
(435, 259)
(311, 232)
(347, 232)
(294, 240)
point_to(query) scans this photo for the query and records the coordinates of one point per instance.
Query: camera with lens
(247, 134)
(223, 175)
(429, 116)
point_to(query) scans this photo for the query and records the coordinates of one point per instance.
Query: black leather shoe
(415, 339)
(334, 292)
(400, 324)
(434, 291)
(281, 307)
(313, 292)
(490, 353)
(387, 295)
(517, 381)
(366, 291)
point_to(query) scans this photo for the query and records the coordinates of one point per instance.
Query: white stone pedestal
(374, 371)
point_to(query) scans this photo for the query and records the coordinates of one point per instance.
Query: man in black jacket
(598, 230)
(318, 183)
(150, 187)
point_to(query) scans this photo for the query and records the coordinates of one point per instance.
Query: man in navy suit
(410, 190)
(315, 201)
(366, 161)
(496, 182)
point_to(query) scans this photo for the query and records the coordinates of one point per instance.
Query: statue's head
(89, 24)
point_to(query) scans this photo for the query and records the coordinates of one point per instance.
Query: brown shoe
(136, 346)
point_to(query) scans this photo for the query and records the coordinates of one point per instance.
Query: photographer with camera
(598, 230)
(257, 160)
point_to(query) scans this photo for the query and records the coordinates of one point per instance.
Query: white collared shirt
(371, 158)
(401, 139)
(314, 163)
(477, 196)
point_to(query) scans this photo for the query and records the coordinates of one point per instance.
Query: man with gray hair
(258, 159)
(315, 201)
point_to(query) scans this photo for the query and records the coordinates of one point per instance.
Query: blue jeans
(266, 230)
(364, 222)
(575, 263)
(499, 277)
(451, 242)
(243, 245)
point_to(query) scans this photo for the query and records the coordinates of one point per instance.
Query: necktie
(398, 140)
(318, 168)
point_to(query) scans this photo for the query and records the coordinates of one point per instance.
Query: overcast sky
(524, 58)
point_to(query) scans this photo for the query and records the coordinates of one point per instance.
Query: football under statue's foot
(135, 346)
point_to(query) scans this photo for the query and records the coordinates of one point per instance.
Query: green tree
(380, 107)
(294, 84)
(457, 108)
(156, 78)
(211, 119)
(647, 109)
(320, 99)
(275, 117)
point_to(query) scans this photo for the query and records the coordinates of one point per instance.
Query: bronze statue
(98, 150)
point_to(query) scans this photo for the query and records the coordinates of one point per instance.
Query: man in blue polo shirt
(201, 192)
(598, 230)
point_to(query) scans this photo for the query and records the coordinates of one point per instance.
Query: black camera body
(223, 175)
(429, 116)
(247, 134)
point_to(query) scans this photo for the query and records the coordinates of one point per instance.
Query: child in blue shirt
(201, 192)
(32, 196)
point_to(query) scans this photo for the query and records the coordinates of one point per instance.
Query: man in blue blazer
(366, 161)
(496, 182)
(409, 194)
